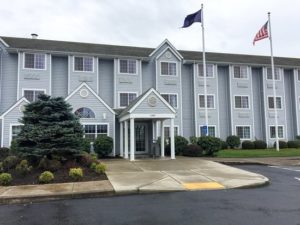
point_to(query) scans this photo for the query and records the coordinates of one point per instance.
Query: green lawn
(240, 153)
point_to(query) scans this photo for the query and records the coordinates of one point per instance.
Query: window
(127, 66)
(15, 130)
(84, 113)
(243, 132)
(167, 132)
(211, 131)
(32, 95)
(240, 72)
(168, 69)
(34, 61)
(269, 74)
(271, 102)
(209, 70)
(92, 131)
(241, 102)
(279, 130)
(210, 101)
(171, 99)
(84, 64)
(298, 74)
(126, 98)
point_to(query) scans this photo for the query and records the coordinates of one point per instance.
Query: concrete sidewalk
(141, 176)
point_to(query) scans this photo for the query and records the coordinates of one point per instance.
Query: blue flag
(192, 18)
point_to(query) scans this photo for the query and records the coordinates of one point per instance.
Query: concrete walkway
(141, 176)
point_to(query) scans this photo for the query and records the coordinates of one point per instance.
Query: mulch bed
(60, 176)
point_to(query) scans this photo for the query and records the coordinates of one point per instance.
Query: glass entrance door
(141, 138)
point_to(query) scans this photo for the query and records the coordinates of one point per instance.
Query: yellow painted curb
(203, 186)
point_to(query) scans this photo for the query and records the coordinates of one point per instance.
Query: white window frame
(164, 75)
(206, 100)
(136, 67)
(281, 103)
(171, 94)
(250, 138)
(242, 96)
(241, 78)
(168, 126)
(34, 53)
(79, 71)
(214, 126)
(283, 132)
(125, 92)
(95, 124)
(207, 65)
(10, 130)
(32, 89)
(276, 68)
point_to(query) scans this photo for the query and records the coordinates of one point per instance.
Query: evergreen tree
(50, 128)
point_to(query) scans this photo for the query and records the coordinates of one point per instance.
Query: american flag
(262, 33)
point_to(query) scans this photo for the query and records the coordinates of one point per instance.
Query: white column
(162, 139)
(132, 141)
(126, 139)
(172, 139)
(121, 139)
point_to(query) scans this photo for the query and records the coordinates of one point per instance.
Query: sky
(230, 25)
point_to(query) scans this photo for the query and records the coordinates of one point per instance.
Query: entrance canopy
(149, 105)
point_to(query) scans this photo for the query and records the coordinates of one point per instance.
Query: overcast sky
(230, 24)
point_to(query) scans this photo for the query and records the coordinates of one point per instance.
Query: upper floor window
(32, 95)
(171, 99)
(209, 70)
(127, 66)
(84, 113)
(34, 61)
(83, 64)
(168, 68)
(210, 101)
(126, 98)
(271, 102)
(211, 131)
(241, 102)
(243, 132)
(240, 72)
(276, 74)
(279, 130)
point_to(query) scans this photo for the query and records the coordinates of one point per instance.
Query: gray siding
(106, 81)
(59, 76)
(148, 75)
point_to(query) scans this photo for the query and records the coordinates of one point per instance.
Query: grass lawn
(255, 153)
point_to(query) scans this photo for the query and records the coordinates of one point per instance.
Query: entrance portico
(141, 117)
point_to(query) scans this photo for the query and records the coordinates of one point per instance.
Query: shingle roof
(128, 51)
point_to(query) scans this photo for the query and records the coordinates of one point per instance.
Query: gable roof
(93, 92)
(13, 106)
(170, 47)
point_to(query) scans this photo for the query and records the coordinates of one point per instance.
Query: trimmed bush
(100, 168)
(1, 167)
(87, 160)
(4, 152)
(23, 168)
(10, 162)
(293, 144)
(193, 140)
(46, 177)
(233, 141)
(49, 164)
(180, 144)
(260, 144)
(103, 145)
(86, 145)
(192, 150)
(297, 137)
(282, 144)
(76, 173)
(210, 145)
(248, 145)
(93, 166)
(5, 179)
(224, 145)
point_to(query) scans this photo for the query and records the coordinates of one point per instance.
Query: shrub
(192, 150)
(260, 144)
(210, 145)
(49, 164)
(76, 173)
(282, 144)
(297, 137)
(193, 140)
(224, 145)
(93, 166)
(180, 144)
(13, 147)
(10, 162)
(23, 168)
(1, 167)
(4, 152)
(233, 141)
(5, 179)
(86, 145)
(293, 144)
(87, 160)
(248, 145)
(100, 168)
(46, 177)
(103, 145)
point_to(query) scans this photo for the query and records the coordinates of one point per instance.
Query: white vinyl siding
(34, 61)
(243, 132)
(210, 101)
(83, 64)
(209, 70)
(171, 99)
(240, 72)
(168, 69)
(241, 102)
(127, 66)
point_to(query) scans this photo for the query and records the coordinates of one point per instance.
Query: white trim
(115, 83)
(147, 116)
(167, 75)
(215, 126)
(241, 100)
(284, 98)
(230, 98)
(114, 135)
(209, 64)
(283, 132)
(281, 103)
(34, 53)
(2, 132)
(93, 92)
(125, 92)
(141, 76)
(156, 74)
(18, 81)
(243, 139)
(69, 73)
(218, 105)
(169, 93)
(82, 71)
(96, 123)
(97, 74)
(206, 100)
(172, 48)
(296, 100)
(279, 73)
(50, 74)
(130, 74)
(15, 105)
(10, 131)
(4, 43)
(195, 71)
(252, 99)
(180, 86)
(237, 78)
(264, 73)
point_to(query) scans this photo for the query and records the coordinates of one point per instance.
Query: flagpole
(204, 71)
(274, 87)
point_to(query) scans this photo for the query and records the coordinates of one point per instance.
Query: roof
(138, 52)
